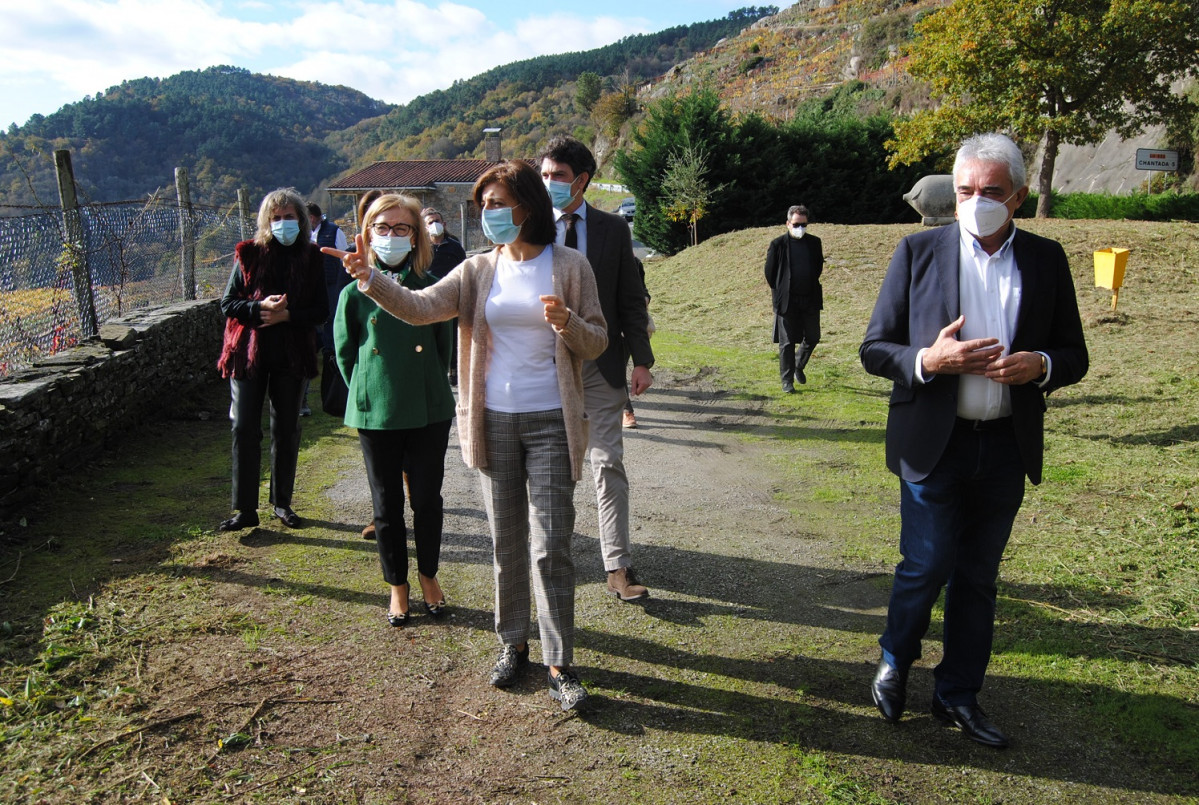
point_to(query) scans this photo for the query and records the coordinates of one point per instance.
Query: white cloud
(400, 73)
(88, 46)
(58, 51)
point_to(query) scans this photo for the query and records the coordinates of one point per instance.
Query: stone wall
(61, 412)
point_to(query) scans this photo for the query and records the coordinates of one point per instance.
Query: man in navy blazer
(975, 323)
(566, 168)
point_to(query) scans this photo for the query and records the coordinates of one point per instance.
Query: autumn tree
(686, 192)
(1054, 71)
(615, 108)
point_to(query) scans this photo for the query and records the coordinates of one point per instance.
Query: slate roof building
(441, 183)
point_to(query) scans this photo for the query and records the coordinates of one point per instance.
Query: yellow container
(1109, 268)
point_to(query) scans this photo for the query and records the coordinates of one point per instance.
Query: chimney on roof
(491, 145)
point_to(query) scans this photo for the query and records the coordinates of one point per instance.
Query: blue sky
(59, 51)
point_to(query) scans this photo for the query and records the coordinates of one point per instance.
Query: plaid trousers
(529, 497)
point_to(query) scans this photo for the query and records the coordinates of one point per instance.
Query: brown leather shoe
(623, 584)
(369, 532)
(629, 420)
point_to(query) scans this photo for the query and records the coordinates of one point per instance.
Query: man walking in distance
(566, 168)
(793, 265)
(975, 323)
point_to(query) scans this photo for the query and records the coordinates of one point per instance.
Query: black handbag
(334, 393)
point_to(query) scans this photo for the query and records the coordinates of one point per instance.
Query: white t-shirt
(521, 375)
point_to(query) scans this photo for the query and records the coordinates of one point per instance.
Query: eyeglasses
(383, 230)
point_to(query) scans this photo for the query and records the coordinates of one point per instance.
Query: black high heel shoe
(435, 608)
(398, 619)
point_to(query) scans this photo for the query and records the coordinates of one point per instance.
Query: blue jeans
(955, 526)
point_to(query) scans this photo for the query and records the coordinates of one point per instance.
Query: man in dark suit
(793, 265)
(975, 323)
(566, 168)
(447, 254)
(333, 387)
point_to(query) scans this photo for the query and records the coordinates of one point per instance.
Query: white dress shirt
(989, 289)
(580, 227)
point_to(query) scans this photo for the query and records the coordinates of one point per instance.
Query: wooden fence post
(243, 212)
(74, 252)
(186, 234)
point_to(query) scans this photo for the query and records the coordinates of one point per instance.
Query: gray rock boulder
(933, 197)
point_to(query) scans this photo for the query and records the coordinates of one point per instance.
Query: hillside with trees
(590, 93)
(813, 105)
(821, 79)
(229, 127)
(232, 128)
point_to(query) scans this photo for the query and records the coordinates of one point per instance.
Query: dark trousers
(285, 392)
(954, 528)
(453, 352)
(417, 454)
(799, 333)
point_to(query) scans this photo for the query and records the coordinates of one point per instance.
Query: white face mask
(983, 217)
(797, 231)
(435, 229)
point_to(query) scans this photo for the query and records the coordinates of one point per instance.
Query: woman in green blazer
(399, 400)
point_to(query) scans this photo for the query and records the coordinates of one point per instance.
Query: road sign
(1156, 159)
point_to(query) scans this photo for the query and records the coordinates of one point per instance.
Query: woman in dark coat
(274, 301)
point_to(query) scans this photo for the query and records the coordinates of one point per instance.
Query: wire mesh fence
(131, 256)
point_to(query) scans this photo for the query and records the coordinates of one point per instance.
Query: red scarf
(239, 351)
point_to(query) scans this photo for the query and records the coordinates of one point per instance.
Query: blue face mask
(285, 231)
(561, 194)
(498, 226)
(390, 250)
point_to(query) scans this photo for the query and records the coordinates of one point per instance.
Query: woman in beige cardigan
(528, 316)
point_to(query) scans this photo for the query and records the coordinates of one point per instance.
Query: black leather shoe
(239, 521)
(889, 689)
(801, 377)
(788, 387)
(287, 516)
(971, 720)
(397, 620)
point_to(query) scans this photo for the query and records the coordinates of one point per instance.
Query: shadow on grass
(662, 422)
(826, 707)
